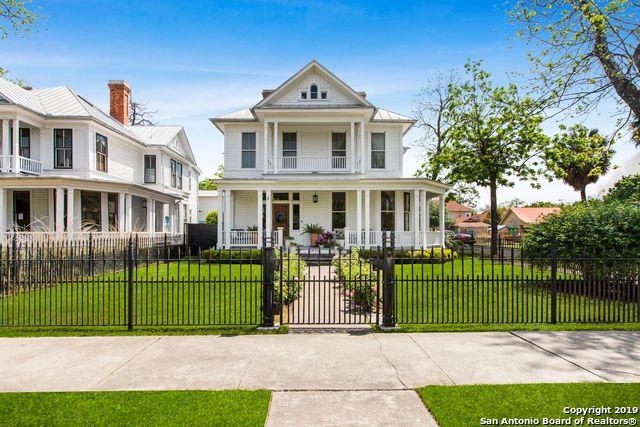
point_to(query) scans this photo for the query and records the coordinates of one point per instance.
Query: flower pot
(314, 239)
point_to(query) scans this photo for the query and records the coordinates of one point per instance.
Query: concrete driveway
(320, 378)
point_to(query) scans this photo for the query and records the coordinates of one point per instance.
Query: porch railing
(144, 238)
(406, 239)
(25, 165)
(248, 238)
(314, 164)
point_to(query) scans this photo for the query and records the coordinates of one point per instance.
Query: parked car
(464, 238)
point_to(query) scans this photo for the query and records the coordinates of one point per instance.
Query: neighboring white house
(207, 202)
(316, 151)
(67, 167)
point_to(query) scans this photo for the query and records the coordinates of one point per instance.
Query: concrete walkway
(302, 368)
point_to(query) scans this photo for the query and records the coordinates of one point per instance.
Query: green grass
(467, 405)
(478, 291)
(91, 331)
(136, 408)
(492, 327)
(165, 295)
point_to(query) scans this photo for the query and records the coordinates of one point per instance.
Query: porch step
(316, 255)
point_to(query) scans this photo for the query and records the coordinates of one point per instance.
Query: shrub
(432, 254)
(605, 230)
(292, 268)
(211, 218)
(359, 279)
(216, 255)
(626, 189)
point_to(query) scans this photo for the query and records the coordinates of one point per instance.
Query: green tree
(211, 218)
(584, 51)
(625, 190)
(15, 17)
(209, 183)
(543, 204)
(434, 216)
(495, 137)
(578, 156)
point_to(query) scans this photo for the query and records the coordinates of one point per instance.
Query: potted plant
(254, 236)
(326, 239)
(313, 230)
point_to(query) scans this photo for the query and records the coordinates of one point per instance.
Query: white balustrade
(30, 166)
(312, 164)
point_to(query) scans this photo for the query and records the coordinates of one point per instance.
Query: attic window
(323, 94)
(314, 91)
(303, 94)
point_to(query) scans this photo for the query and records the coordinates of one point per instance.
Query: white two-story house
(315, 151)
(68, 168)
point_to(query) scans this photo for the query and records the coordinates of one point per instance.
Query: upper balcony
(25, 165)
(313, 164)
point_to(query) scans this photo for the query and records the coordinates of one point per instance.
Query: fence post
(388, 273)
(268, 278)
(130, 284)
(554, 283)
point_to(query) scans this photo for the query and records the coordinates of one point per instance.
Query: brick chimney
(119, 92)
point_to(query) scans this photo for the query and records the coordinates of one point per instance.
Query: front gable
(297, 91)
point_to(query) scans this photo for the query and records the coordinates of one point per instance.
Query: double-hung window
(339, 150)
(62, 148)
(150, 168)
(289, 150)
(248, 150)
(24, 144)
(176, 174)
(338, 210)
(313, 90)
(101, 152)
(407, 211)
(388, 210)
(377, 151)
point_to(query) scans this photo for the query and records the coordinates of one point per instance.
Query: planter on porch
(313, 230)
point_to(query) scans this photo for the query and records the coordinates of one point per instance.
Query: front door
(281, 218)
(21, 210)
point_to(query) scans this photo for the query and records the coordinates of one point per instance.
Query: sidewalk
(301, 368)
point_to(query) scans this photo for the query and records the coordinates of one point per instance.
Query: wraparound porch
(357, 212)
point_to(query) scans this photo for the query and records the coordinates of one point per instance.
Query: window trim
(383, 151)
(55, 148)
(105, 154)
(317, 91)
(245, 150)
(406, 198)
(176, 178)
(387, 211)
(155, 168)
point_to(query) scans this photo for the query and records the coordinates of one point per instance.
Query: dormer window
(323, 94)
(303, 94)
(314, 91)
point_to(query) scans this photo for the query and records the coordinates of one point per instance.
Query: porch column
(416, 217)
(151, 220)
(129, 213)
(221, 236)
(359, 217)
(15, 162)
(104, 212)
(51, 212)
(227, 216)
(259, 219)
(59, 210)
(269, 214)
(3, 211)
(367, 217)
(352, 147)
(265, 151)
(121, 220)
(275, 147)
(5, 146)
(362, 145)
(70, 209)
(424, 209)
(441, 218)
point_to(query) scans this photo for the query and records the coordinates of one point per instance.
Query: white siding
(39, 209)
(335, 96)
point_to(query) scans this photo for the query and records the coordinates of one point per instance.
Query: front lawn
(469, 405)
(223, 408)
(481, 291)
(169, 294)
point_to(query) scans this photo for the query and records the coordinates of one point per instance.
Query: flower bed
(359, 278)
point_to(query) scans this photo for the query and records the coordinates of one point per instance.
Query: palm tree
(578, 156)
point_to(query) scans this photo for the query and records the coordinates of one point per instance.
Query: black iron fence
(126, 284)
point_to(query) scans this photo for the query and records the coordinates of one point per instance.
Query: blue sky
(192, 60)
